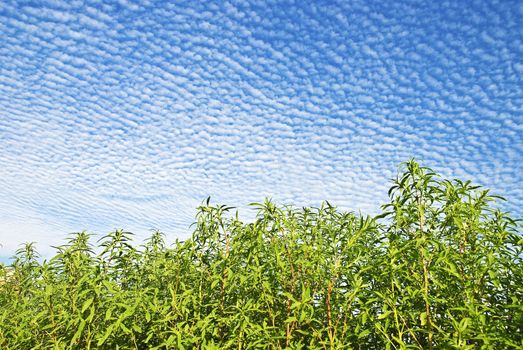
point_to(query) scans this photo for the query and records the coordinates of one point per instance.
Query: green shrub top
(439, 269)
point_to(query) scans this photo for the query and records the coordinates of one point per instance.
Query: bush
(439, 269)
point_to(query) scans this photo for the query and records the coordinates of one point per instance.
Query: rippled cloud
(129, 114)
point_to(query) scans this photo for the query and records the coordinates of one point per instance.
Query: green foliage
(440, 268)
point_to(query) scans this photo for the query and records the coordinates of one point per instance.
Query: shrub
(439, 269)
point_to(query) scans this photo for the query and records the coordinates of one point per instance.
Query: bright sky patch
(129, 114)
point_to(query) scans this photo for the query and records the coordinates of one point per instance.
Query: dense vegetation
(439, 269)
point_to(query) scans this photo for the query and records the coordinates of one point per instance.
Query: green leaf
(384, 315)
(364, 333)
(423, 318)
(86, 304)
(106, 335)
(78, 333)
(124, 328)
(463, 324)
(108, 314)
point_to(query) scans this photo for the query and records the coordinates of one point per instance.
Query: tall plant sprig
(445, 246)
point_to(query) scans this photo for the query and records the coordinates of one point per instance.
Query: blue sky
(129, 114)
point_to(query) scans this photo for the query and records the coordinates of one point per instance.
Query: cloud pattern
(129, 114)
